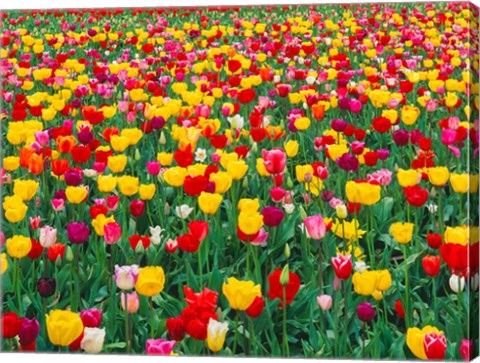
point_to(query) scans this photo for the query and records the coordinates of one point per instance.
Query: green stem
(407, 302)
(152, 319)
(434, 288)
(127, 331)
(235, 337)
(286, 352)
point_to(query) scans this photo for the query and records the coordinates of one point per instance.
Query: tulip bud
(163, 139)
(324, 301)
(287, 251)
(284, 276)
(46, 286)
(289, 183)
(366, 312)
(341, 211)
(245, 182)
(254, 147)
(303, 214)
(457, 283)
(68, 255)
(166, 209)
(137, 155)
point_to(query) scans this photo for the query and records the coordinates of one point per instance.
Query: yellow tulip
(438, 175)
(117, 163)
(76, 195)
(457, 235)
(119, 143)
(18, 246)
(133, 135)
(261, 170)
(248, 205)
(147, 191)
(175, 176)
(216, 333)
(402, 232)
(291, 148)
(15, 209)
(63, 327)
(365, 283)
(409, 114)
(302, 123)
(348, 230)
(408, 178)
(363, 193)
(222, 180)
(11, 163)
(250, 223)
(25, 189)
(240, 294)
(302, 170)
(3, 263)
(106, 183)
(237, 169)
(165, 159)
(415, 338)
(209, 202)
(100, 221)
(151, 281)
(128, 185)
(459, 182)
(384, 280)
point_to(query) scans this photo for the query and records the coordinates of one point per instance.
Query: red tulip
(195, 185)
(381, 124)
(431, 265)
(246, 95)
(435, 345)
(455, 256)
(434, 240)
(416, 196)
(136, 239)
(91, 318)
(198, 229)
(10, 325)
(183, 158)
(36, 250)
(256, 307)
(272, 216)
(56, 251)
(276, 289)
(137, 207)
(188, 243)
(274, 160)
(176, 328)
(342, 266)
(399, 309)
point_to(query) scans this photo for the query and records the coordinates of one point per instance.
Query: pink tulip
(112, 232)
(448, 136)
(159, 346)
(58, 204)
(48, 236)
(133, 302)
(466, 349)
(324, 301)
(315, 226)
(274, 160)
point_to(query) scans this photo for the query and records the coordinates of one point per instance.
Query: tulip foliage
(288, 181)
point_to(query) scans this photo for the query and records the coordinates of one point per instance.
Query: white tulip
(156, 234)
(183, 211)
(289, 208)
(457, 283)
(93, 339)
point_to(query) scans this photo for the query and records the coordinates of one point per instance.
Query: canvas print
(258, 181)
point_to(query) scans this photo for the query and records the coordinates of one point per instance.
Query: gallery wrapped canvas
(258, 181)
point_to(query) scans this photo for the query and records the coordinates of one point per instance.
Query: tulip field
(274, 181)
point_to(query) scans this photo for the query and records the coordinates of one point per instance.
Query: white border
(55, 4)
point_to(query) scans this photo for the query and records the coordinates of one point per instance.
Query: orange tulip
(65, 143)
(318, 111)
(35, 164)
(25, 154)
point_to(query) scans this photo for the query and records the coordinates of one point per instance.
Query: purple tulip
(327, 195)
(366, 312)
(91, 318)
(73, 177)
(28, 331)
(46, 286)
(85, 136)
(272, 216)
(78, 232)
(383, 154)
(348, 162)
(400, 137)
(339, 125)
(157, 122)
